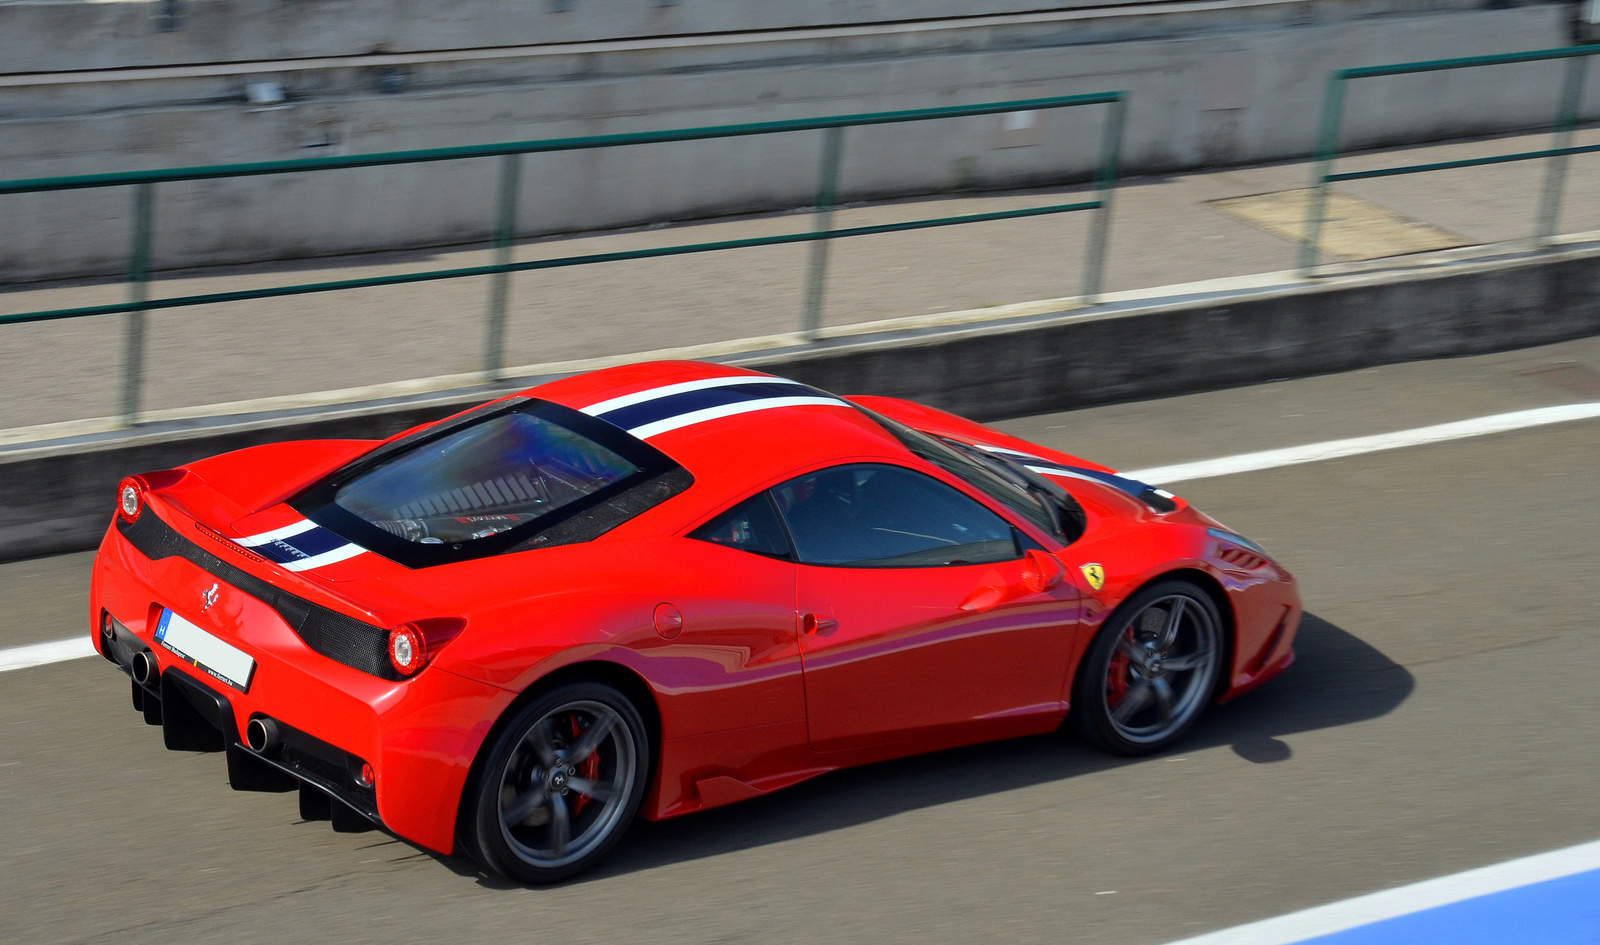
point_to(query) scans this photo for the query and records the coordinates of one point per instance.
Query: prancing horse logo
(208, 598)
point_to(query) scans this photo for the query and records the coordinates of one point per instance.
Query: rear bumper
(418, 736)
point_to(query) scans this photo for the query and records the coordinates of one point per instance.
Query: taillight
(131, 491)
(130, 498)
(407, 649)
(412, 644)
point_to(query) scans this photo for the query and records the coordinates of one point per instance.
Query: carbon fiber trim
(339, 637)
(327, 766)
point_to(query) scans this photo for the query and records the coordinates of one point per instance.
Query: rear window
(481, 481)
(485, 485)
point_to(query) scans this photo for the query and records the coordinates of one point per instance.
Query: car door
(730, 624)
(921, 608)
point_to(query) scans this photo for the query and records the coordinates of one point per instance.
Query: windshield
(974, 471)
(485, 479)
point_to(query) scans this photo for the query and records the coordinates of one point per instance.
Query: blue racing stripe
(315, 541)
(675, 405)
(307, 544)
(1132, 487)
(1563, 911)
(278, 552)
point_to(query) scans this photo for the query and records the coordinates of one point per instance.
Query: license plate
(216, 658)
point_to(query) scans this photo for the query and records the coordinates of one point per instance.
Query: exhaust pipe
(262, 735)
(144, 668)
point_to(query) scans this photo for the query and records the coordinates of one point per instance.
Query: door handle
(984, 598)
(817, 623)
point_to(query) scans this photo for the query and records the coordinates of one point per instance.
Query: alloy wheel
(1161, 669)
(566, 787)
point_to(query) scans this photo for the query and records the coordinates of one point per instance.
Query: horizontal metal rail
(1464, 162)
(510, 154)
(1565, 121)
(407, 278)
(466, 152)
(1469, 62)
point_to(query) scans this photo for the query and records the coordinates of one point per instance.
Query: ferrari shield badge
(1094, 574)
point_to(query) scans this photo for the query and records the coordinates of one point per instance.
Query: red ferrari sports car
(654, 590)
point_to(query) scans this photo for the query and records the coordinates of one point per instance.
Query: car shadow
(1337, 680)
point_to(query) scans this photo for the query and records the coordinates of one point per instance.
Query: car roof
(723, 423)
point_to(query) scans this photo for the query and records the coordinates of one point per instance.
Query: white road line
(39, 654)
(1365, 910)
(1335, 449)
(42, 653)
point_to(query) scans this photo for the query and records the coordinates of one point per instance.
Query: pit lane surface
(1443, 716)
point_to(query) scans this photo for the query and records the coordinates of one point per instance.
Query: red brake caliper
(588, 768)
(1117, 677)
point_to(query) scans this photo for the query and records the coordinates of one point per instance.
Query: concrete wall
(56, 35)
(58, 499)
(1208, 86)
(1180, 349)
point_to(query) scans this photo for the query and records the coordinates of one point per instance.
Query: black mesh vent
(323, 772)
(328, 766)
(594, 522)
(344, 639)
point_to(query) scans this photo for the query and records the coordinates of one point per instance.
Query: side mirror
(1040, 571)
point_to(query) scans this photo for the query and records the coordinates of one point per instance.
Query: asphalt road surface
(1443, 715)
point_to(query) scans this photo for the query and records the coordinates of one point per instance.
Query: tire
(1146, 678)
(551, 801)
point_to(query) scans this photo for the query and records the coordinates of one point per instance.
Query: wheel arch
(1219, 597)
(625, 679)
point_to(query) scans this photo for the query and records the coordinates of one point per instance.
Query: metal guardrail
(820, 236)
(1555, 174)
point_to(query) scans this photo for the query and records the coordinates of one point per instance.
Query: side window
(873, 516)
(752, 526)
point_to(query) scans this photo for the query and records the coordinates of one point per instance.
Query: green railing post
(1555, 176)
(1105, 182)
(1322, 162)
(822, 222)
(505, 236)
(138, 279)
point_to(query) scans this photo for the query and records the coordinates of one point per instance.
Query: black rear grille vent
(327, 766)
(339, 637)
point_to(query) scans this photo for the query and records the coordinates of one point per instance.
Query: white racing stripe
(656, 393)
(728, 410)
(1336, 449)
(327, 557)
(287, 531)
(39, 654)
(1391, 903)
